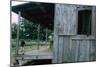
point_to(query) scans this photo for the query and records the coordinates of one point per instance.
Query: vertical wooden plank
(94, 21)
(46, 36)
(73, 20)
(60, 19)
(55, 38)
(55, 49)
(81, 51)
(87, 46)
(18, 27)
(84, 51)
(75, 50)
(93, 50)
(60, 49)
(38, 36)
(77, 47)
(66, 49)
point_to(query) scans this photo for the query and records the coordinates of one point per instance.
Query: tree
(14, 30)
(29, 30)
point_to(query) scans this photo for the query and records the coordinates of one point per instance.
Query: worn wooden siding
(75, 49)
(63, 25)
(64, 53)
(65, 16)
(68, 46)
(94, 21)
(83, 50)
(66, 49)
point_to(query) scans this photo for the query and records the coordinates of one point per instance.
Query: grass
(31, 44)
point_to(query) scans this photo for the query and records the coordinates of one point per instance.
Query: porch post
(38, 36)
(18, 28)
(46, 36)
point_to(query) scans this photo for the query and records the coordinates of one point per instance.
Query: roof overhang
(42, 13)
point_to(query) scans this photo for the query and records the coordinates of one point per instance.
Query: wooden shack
(74, 28)
(74, 33)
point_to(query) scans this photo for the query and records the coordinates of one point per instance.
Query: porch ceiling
(42, 13)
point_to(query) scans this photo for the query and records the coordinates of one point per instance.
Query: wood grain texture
(83, 50)
(94, 21)
(66, 19)
(68, 45)
(66, 49)
(60, 50)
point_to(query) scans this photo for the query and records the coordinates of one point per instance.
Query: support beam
(38, 36)
(18, 27)
(46, 36)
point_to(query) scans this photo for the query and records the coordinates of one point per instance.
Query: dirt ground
(33, 50)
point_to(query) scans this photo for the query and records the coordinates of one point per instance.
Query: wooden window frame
(81, 8)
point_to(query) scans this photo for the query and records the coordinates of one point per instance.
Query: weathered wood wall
(83, 50)
(65, 15)
(68, 45)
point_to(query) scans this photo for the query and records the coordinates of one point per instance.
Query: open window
(84, 22)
